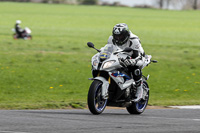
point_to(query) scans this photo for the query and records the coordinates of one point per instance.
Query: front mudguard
(105, 86)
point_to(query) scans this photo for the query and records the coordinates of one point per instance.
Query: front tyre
(96, 103)
(139, 107)
(28, 37)
(15, 36)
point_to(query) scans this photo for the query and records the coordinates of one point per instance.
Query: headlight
(94, 63)
(108, 64)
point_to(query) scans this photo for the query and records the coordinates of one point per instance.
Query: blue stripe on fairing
(121, 75)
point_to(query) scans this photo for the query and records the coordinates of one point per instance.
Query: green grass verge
(52, 70)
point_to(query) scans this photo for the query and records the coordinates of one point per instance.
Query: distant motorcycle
(26, 34)
(113, 84)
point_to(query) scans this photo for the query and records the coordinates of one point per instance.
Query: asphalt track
(111, 121)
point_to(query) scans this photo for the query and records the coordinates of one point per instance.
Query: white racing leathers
(133, 43)
(139, 60)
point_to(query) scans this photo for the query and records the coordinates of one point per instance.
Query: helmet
(18, 21)
(120, 33)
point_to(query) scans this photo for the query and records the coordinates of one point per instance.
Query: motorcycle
(26, 34)
(113, 84)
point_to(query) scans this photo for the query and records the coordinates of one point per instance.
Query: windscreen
(107, 51)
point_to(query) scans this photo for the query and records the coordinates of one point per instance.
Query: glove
(130, 62)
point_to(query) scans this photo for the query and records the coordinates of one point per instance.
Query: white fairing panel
(28, 30)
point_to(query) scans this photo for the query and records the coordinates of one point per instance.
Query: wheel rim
(141, 105)
(99, 102)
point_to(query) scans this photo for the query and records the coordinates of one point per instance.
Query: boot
(139, 93)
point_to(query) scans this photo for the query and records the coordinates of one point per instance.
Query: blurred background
(52, 69)
(162, 4)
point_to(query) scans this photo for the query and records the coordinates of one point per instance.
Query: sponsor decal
(121, 75)
(103, 55)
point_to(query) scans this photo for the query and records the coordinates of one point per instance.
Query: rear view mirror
(90, 44)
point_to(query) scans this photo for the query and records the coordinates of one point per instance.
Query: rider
(122, 37)
(18, 29)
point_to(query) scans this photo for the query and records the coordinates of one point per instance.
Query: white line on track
(12, 132)
(196, 119)
(184, 119)
(186, 107)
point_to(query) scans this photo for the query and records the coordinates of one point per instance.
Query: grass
(52, 70)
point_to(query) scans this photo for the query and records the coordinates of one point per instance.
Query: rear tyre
(96, 103)
(139, 107)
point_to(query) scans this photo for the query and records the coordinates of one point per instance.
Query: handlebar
(121, 61)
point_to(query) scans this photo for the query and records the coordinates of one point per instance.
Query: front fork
(105, 86)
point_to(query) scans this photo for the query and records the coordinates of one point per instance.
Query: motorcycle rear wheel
(139, 107)
(96, 103)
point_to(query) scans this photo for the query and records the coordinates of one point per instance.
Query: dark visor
(119, 37)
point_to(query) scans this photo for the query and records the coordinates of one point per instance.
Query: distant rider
(18, 29)
(122, 37)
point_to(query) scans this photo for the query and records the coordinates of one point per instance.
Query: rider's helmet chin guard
(18, 22)
(120, 33)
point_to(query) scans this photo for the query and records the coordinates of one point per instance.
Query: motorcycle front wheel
(15, 36)
(96, 103)
(139, 107)
(28, 37)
